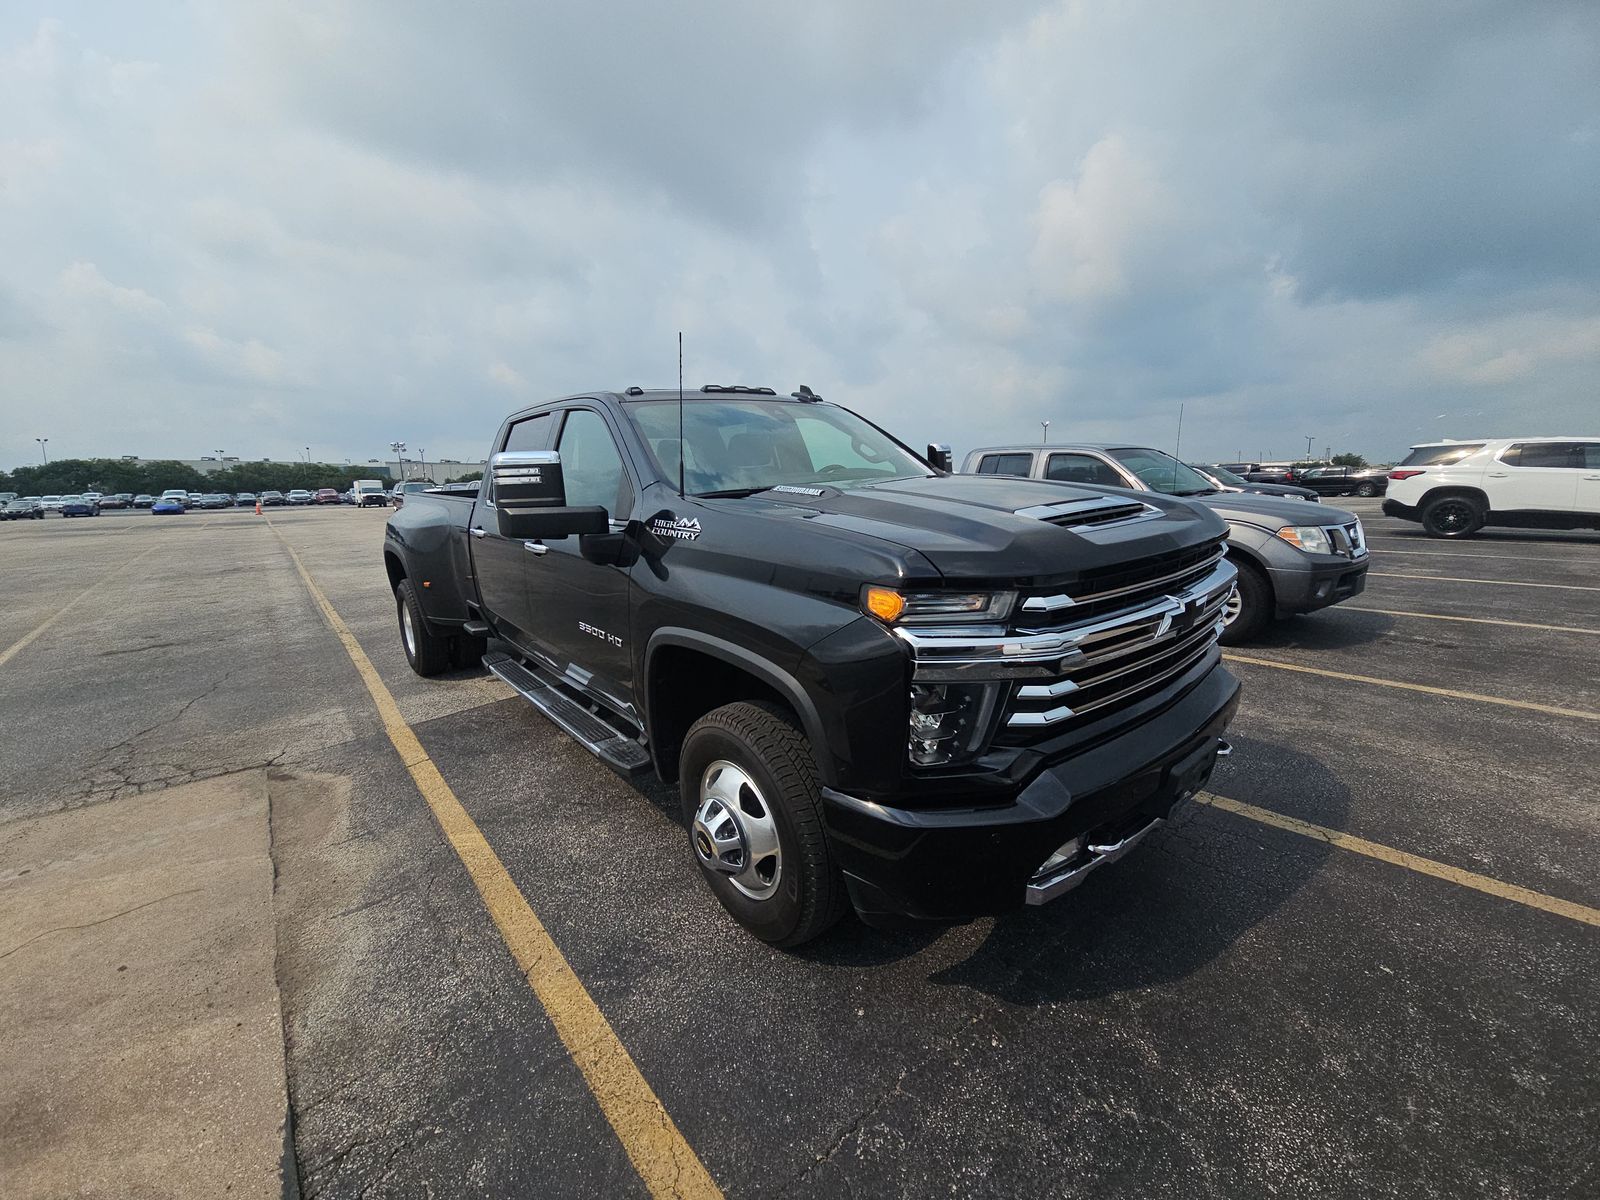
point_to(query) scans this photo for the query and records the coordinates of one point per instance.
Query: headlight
(948, 721)
(1313, 539)
(935, 608)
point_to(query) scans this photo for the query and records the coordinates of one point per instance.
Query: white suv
(1456, 488)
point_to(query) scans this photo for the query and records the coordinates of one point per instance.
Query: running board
(612, 747)
(475, 628)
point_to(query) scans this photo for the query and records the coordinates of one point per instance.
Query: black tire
(763, 741)
(427, 652)
(1257, 606)
(1452, 517)
(1367, 489)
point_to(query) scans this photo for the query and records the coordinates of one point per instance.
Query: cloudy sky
(257, 227)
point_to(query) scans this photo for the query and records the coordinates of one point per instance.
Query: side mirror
(939, 456)
(530, 498)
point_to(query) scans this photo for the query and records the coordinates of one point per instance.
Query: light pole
(308, 456)
(422, 458)
(1045, 440)
(1308, 445)
(399, 449)
(43, 442)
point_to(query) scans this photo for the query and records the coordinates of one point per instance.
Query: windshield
(745, 446)
(1223, 475)
(1430, 456)
(1160, 472)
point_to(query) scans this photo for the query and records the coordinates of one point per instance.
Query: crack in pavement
(858, 1124)
(91, 924)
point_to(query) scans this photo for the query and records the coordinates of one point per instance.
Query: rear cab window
(1006, 464)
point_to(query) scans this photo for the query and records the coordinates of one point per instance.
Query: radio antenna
(683, 450)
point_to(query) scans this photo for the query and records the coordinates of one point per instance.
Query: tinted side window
(1431, 456)
(1545, 454)
(1005, 464)
(531, 433)
(591, 465)
(1591, 455)
(1082, 468)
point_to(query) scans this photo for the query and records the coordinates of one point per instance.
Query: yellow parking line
(1564, 587)
(26, 639)
(1550, 709)
(1411, 862)
(665, 1161)
(1395, 612)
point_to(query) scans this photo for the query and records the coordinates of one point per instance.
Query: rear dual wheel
(427, 650)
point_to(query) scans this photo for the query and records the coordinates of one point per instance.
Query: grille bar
(1063, 600)
(1174, 659)
(987, 653)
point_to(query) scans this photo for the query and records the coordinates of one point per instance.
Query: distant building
(436, 470)
(209, 464)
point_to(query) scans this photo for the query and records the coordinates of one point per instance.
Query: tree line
(70, 476)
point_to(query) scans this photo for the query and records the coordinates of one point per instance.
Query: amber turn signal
(884, 603)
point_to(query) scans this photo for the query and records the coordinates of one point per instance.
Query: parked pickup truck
(875, 683)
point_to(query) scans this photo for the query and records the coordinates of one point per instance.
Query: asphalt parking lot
(1250, 1006)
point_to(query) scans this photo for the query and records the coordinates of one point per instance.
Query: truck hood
(1273, 512)
(972, 527)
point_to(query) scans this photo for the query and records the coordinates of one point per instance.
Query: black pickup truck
(876, 683)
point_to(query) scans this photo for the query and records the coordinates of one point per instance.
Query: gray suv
(1292, 557)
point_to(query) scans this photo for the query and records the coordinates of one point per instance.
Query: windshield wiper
(732, 493)
(1197, 492)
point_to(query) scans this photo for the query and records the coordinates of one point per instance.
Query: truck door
(501, 563)
(580, 606)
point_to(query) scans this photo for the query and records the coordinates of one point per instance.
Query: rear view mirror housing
(530, 498)
(940, 458)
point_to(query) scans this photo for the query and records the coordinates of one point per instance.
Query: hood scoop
(1091, 512)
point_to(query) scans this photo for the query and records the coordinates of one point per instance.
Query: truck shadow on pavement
(1185, 898)
(1332, 629)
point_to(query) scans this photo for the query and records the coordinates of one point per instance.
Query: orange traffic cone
(258, 506)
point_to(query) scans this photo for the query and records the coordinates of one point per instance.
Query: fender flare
(764, 669)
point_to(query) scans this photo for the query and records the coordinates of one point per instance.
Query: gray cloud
(340, 224)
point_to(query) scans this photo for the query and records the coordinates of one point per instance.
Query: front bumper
(956, 864)
(1325, 579)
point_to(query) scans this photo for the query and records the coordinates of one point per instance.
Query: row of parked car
(176, 500)
(1324, 481)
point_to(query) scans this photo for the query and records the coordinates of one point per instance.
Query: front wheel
(754, 810)
(1452, 517)
(1249, 608)
(426, 651)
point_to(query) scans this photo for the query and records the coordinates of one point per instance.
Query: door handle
(477, 531)
(536, 547)
(1592, 476)
(1498, 474)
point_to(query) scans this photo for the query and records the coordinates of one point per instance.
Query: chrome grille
(1056, 675)
(1141, 664)
(1115, 590)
